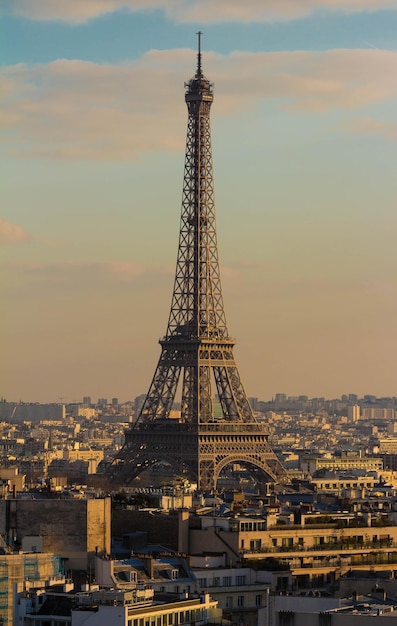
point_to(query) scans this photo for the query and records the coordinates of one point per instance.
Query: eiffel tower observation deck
(197, 352)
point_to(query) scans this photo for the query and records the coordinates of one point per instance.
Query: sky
(304, 139)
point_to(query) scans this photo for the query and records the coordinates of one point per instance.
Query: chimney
(379, 593)
(149, 565)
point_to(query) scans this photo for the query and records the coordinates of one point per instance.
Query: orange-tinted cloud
(83, 110)
(201, 11)
(372, 126)
(12, 233)
(114, 271)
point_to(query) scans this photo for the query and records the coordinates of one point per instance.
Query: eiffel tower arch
(197, 352)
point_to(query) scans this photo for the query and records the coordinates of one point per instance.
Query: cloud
(208, 11)
(81, 110)
(371, 126)
(201, 11)
(12, 233)
(76, 11)
(77, 109)
(61, 272)
(123, 271)
(249, 265)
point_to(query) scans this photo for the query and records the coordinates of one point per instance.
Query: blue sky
(304, 131)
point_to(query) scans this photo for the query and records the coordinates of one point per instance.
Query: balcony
(346, 546)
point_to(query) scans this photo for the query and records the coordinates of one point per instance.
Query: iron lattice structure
(197, 352)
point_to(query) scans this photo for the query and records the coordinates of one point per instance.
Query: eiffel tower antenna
(199, 73)
(197, 351)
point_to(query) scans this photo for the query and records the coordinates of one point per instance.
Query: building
(168, 573)
(388, 445)
(377, 413)
(316, 610)
(116, 607)
(338, 482)
(73, 529)
(14, 480)
(315, 554)
(21, 571)
(32, 412)
(242, 592)
(353, 413)
(93, 457)
(346, 461)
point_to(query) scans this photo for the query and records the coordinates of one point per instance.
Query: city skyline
(304, 137)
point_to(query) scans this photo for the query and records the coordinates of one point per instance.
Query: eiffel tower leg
(207, 475)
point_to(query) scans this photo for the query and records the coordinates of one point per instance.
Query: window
(258, 600)
(240, 580)
(287, 542)
(202, 582)
(240, 601)
(229, 602)
(217, 581)
(227, 581)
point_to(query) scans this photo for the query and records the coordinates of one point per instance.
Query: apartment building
(314, 554)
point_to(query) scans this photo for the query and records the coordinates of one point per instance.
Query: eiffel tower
(197, 351)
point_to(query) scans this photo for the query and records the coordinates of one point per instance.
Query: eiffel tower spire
(196, 351)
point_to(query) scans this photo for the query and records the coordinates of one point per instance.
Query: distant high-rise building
(377, 413)
(31, 412)
(254, 403)
(138, 403)
(353, 413)
(280, 399)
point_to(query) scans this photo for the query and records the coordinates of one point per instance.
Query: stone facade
(72, 529)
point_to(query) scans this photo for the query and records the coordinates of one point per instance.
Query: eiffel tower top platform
(197, 358)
